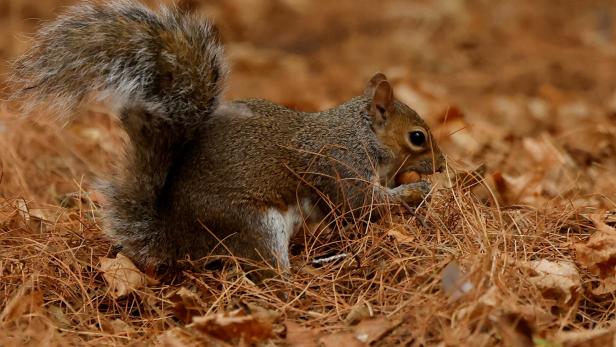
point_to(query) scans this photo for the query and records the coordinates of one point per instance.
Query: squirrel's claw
(413, 193)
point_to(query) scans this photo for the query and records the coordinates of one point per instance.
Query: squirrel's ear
(381, 93)
(374, 81)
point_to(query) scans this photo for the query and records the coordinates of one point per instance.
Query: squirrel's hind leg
(265, 235)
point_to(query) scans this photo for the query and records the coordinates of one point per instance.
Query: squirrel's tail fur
(163, 73)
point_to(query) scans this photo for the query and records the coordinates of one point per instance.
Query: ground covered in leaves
(519, 251)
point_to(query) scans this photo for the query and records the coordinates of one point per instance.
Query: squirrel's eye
(417, 138)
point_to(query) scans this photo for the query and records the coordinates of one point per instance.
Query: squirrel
(203, 176)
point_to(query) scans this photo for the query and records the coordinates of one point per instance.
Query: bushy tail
(163, 73)
(168, 63)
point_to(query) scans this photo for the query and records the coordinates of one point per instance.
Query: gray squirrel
(203, 176)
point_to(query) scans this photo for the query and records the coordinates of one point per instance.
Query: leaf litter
(524, 112)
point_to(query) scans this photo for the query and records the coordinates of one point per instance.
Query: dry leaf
(362, 310)
(470, 179)
(540, 150)
(121, 327)
(587, 338)
(175, 337)
(24, 302)
(598, 254)
(460, 135)
(341, 339)
(187, 305)
(182, 337)
(369, 331)
(560, 278)
(400, 234)
(59, 317)
(492, 297)
(260, 313)
(122, 276)
(298, 336)
(514, 330)
(22, 208)
(234, 325)
(526, 187)
(606, 286)
(411, 96)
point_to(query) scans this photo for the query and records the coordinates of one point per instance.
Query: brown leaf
(526, 187)
(559, 278)
(121, 327)
(183, 337)
(470, 179)
(362, 310)
(341, 339)
(514, 330)
(369, 331)
(25, 301)
(187, 305)
(176, 337)
(234, 325)
(400, 234)
(540, 150)
(260, 313)
(598, 254)
(606, 286)
(56, 313)
(22, 209)
(299, 336)
(587, 338)
(123, 276)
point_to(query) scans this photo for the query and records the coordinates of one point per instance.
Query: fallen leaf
(606, 286)
(587, 338)
(526, 187)
(234, 325)
(598, 254)
(469, 179)
(176, 337)
(121, 327)
(460, 135)
(514, 330)
(260, 313)
(298, 336)
(341, 339)
(541, 150)
(411, 96)
(369, 331)
(122, 276)
(451, 113)
(59, 317)
(559, 278)
(183, 337)
(400, 234)
(22, 209)
(492, 297)
(24, 302)
(187, 305)
(362, 310)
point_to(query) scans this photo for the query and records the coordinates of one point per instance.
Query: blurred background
(526, 87)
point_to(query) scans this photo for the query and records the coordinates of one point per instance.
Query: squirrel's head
(403, 132)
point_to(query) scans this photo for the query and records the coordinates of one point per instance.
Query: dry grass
(545, 133)
(53, 289)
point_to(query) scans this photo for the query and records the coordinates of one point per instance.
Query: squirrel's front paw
(413, 193)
